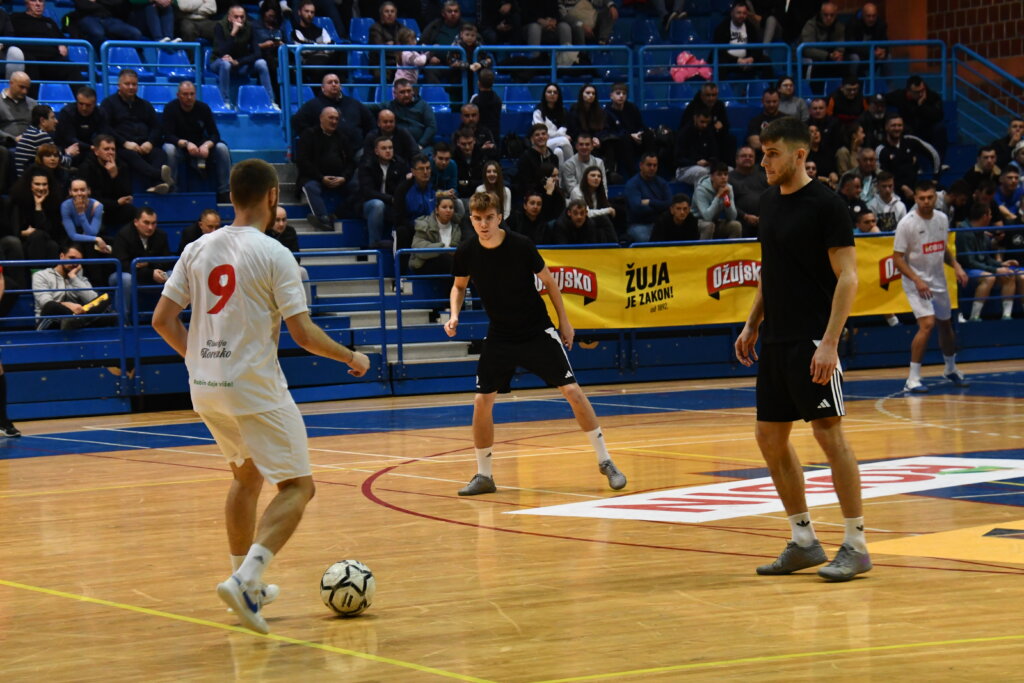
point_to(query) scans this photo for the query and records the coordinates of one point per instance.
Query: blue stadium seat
(158, 94)
(300, 95)
(615, 63)
(255, 101)
(328, 25)
(681, 94)
(175, 66)
(699, 8)
(657, 64)
(410, 24)
(211, 96)
(702, 27)
(437, 97)
(127, 58)
(518, 98)
(681, 32)
(622, 32)
(55, 94)
(360, 72)
(656, 95)
(646, 32)
(359, 30)
(726, 91)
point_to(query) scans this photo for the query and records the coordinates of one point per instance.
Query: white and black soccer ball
(347, 587)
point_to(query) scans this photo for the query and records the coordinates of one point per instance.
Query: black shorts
(785, 392)
(543, 355)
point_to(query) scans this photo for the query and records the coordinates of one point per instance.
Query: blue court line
(994, 385)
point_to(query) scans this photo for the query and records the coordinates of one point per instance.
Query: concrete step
(430, 352)
(358, 288)
(371, 319)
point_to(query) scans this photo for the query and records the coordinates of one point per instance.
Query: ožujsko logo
(572, 280)
(887, 272)
(732, 274)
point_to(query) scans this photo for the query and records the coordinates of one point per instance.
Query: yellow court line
(779, 658)
(238, 629)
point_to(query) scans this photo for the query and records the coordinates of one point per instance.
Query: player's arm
(555, 294)
(309, 336)
(826, 357)
(167, 323)
(455, 300)
(961, 274)
(899, 259)
(747, 340)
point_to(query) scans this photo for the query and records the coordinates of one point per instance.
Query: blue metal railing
(873, 81)
(80, 53)
(400, 300)
(148, 68)
(986, 95)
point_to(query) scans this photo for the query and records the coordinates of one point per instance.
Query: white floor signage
(747, 497)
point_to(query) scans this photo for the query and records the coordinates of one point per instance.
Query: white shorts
(275, 441)
(939, 305)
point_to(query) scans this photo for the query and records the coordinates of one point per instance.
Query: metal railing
(986, 95)
(148, 68)
(80, 53)
(900, 57)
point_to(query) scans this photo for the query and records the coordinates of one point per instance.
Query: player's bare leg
(483, 443)
(918, 346)
(284, 513)
(587, 420)
(947, 343)
(240, 508)
(803, 550)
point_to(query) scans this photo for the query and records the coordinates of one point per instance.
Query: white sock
(915, 371)
(891, 320)
(803, 532)
(255, 563)
(597, 442)
(854, 536)
(236, 562)
(950, 363)
(483, 461)
(976, 309)
(1007, 308)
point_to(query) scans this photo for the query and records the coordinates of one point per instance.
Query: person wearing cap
(1018, 159)
(873, 121)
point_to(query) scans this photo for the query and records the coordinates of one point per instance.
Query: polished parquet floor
(113, 544)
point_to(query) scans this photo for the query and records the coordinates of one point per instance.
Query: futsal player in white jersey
(919, 252)
(240, 285)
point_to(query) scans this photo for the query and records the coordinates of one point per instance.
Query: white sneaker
(915, 386)
(270, 592)
(246, 604)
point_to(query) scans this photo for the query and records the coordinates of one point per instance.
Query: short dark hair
(884, 176)
(485, 78)
(865, 212)
(981, 150)
(399, 82)
(379, 139)
(924, 186)
(958, 186)
(789, 130)
(534, 192)
(986, 185)
(770, 90)
(681, 197)
(621, 86)
(40, 112)
(208, 212)
(914, 80)
(647, 155)
(536, 127)
(419, 159)
(702, 111)
(1008, 170)
(442, 146)
(145, 211)
(251, 180)
(979, 210)
(103, 137)
(87, 91)
(575, 202)
(716, 166)
(467, 133)
(127, 72)
(847, 178)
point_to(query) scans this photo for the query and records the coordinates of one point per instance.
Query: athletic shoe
(958, 379)
(794, 558)
(166, 175)
(270, 591)
(318, 223)
(477, 485)
(915, 386)
(246, 604)
(9, 430)
(162, 188)
(616, 479)
(845, 565)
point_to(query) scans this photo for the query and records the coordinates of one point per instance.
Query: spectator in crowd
(191, 133)
(1004, 145)
(40, 132)
(867, 169)
(488, 103)
(696, 148)
(985, 167)
(356, 120)
(587, 116)
(469, 115)
(79, 122)
(281, 231)
(409, 62)
(141, 239)
(886, 206)
(591, 22)
(921, 111)
(37, 215)
(576, 227)
(957, 201)
(571, 172)
(866, 223)
(269, 37)
(325, 167)
(984, 269)
(469, 162)
(464, 69)
(647, 196)
(594, 194)
(501, 23)
(33, 23)
(414, 115)
(15, 116)
(49, 158)
(385, 31)
(551, 192)
(544, 25)
(823, 155)
(529, 220)
(847, 104)
(387, 127)
(62, 290)
(15, 59)
(985, 193)
(787, 19)
(769, 112)
(528, 169)
(707, 98)
(494, 182)
(110, 182)
(849, 191)
(817, 115)
(714, 202)
(438, 230)
(853, 141)
(1008, 197)
(626, 127)
(82, 218)
(158, 17)
(789, 103)
(678, 224)
(551, 113)
(197, 20)
(98, 22)
(825, 62)
(445, 173)
(867, 26)
(443, 30)
(136, 128)
(209, 220)
(748, 182)
(414, 197)
(1018, 158)
(236, 52)
(305, 31)
(379, 178)
(740, 29)
(873, 121)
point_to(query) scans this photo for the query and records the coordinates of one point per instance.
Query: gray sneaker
(477, 485)
(846, 565)
(616, 479)
(794, 558)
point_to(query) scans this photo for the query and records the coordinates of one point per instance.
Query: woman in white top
(591, 190)
(495, 183)
(551, 112)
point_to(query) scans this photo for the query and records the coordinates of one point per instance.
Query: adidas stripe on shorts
(542, 354)
(785, 392)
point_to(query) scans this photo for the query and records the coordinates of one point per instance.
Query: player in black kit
(502, 265)
(808, 282)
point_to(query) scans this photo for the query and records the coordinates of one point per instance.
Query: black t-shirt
(797, 282)
(503, 277)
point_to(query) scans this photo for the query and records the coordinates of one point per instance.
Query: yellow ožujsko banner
(698, 284)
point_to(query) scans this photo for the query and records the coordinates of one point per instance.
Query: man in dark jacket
(867, 26)
(379, 178)
(387, 127)
(135, 126)
(739, 29)
(110, 182)
(576, 227)
(236, 52)
(678, 224)
(530, 220)
(190, 132)
(142, 239)
(921, 110)
(707, 98)
(325, 166)
(80, 121)
(356, 119)
(33, 24)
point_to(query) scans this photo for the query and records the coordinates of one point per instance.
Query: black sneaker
(9, 430)
(318, 223)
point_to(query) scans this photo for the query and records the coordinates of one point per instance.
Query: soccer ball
(347, 587)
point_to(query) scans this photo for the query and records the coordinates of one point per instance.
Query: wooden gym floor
(113, 545)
